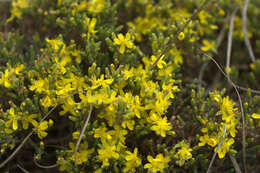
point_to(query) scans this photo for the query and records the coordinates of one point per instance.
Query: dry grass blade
(245, 31)
(241, 109)
(222, 33)
(30, 134)
(194, 15)
(215, 153)
(235, 164)
(245, 89)
(44, 167)
(229, 46)
(81, 134)
(24, 170)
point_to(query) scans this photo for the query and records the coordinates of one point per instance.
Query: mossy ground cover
(129, 86)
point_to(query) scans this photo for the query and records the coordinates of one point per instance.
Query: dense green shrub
(128, 86)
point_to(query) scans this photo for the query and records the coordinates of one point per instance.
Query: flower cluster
(110, 85)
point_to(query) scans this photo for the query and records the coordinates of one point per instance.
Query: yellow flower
(128, 73)
(227, 110)
(123, 42)
(184, 152)
(161, 126)
(76, 135)
(181, 36)
(91, 26)
(203, 140)
(157, 164)
(207, 46)
(56, 45)
(82, 154)
(41, 85)
(132, 161)
(107, 152)
(96, 6)
(203, 15)
(6, 79)
(17, 6)
(46, 101)
(100, 82)
(29, 119)
(160, 63)
(13, 119)
(40, 129)
(225, 147)
(212, 142)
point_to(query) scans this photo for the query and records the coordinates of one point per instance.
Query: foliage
(137, 63)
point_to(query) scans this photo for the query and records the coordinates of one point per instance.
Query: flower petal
(256, 116)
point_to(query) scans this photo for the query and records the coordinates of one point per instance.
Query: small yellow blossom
(76, 135)
(90, 23)
(17, 6)
(225, 147)
(181, 36)
(40, 86)
(6, 79)
(56, 45)
(13, 119)
(160, 63)
(123, 42)
(96, 6)
(184, 152)
(132, 161)
(207, 46)
(29, 119)
(161, 126)
(40, 129)
(227, 110)
(157, 164)
(82, 154)
(107, 152)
